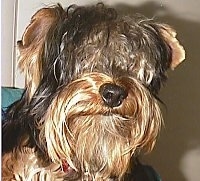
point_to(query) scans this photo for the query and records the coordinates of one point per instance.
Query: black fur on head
(70, 45)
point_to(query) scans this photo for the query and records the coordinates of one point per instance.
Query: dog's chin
(103, 144)
(99, 145)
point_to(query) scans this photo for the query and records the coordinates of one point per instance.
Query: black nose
(112, 94)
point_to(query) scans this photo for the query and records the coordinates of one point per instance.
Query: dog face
(97, 75)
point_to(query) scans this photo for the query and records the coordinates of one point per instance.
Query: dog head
(99, 75)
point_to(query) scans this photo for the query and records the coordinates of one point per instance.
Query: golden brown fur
(79, 112)
(24, 165)
(32, 45)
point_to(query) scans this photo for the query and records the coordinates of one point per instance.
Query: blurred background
(176, 156)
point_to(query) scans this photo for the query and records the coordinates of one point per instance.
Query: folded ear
(38, 27)
(178, 52)
(32, 44)
(34, 36)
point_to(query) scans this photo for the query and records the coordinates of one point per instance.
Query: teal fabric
(9, 95)
(152, 175)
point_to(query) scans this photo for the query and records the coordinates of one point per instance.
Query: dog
(90, 105)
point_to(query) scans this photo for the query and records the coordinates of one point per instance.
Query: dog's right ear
(32, 44)
(178, 52)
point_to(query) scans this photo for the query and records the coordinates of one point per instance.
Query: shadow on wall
(180, 136)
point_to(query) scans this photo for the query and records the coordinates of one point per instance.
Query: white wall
(7, 41)
(177, 154)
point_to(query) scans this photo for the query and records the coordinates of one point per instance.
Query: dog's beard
(94, 138)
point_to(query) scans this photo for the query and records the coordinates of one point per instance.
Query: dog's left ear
(178, 52)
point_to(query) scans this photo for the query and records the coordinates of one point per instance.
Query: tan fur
(178, 53)
(24, 165)
(92, 137)
(32, 45)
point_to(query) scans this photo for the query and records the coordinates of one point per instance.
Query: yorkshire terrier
(90, 104)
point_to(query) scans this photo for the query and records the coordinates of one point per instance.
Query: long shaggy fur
(117, 134)
(62, 129)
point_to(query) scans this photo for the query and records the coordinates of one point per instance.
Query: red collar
(65, 166)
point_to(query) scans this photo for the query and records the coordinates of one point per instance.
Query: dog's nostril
(112, 94)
